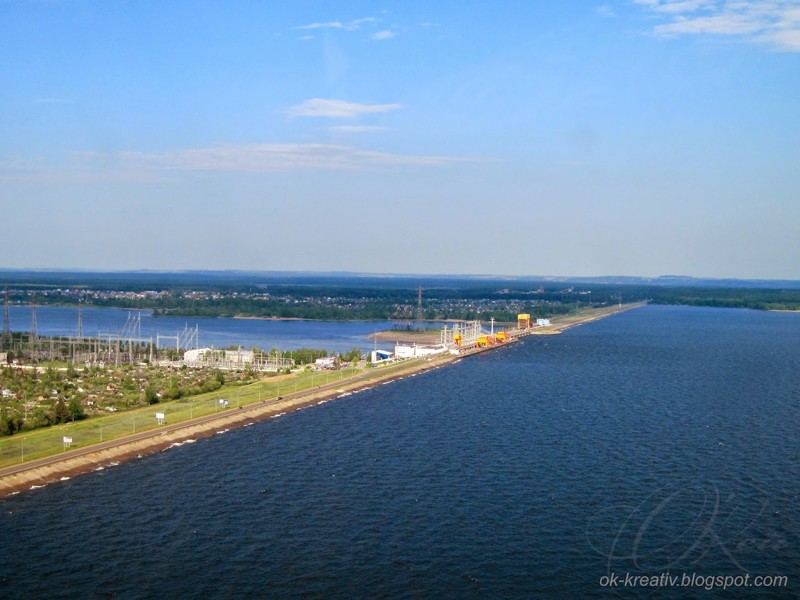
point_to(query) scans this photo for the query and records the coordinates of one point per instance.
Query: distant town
(402, 299)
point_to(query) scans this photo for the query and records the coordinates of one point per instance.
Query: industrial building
(417, 350)
(379, 356)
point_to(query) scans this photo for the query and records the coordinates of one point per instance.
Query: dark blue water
(659, 440)
(338, 336)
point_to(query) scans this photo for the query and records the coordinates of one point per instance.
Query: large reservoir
(658, 440)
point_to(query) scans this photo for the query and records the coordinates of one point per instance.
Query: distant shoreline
(254, 318)
(392, 335)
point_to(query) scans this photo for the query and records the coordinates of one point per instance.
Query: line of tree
(323, 300)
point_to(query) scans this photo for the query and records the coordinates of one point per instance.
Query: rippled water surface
(658, 440)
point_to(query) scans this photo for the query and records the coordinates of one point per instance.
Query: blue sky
(638, 137)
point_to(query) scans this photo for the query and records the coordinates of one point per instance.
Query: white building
(380, 356)
(542, 322)
(196, 355)
(327, 362)
(415, 351)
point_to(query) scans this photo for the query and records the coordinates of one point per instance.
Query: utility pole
(34, 327)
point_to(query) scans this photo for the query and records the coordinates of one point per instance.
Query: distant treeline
(390, 299)
(758, 299)
(473, 303)
(364, 308)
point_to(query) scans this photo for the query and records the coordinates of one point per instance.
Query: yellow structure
(501, 336)
(482, 341)
(523, 321)
(457, 339)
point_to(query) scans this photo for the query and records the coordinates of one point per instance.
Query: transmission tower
(80, 322)
(34, 328)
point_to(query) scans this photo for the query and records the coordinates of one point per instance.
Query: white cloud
(772, 22)
(328, 25)
(319, 107)
(356, 128)
(605, 10)
(261, 158)
(347, 26)
(20, 164)
(50, 101)
(676, 6)
(81, 170)
(169, 167)
(717, 25)
(352, 25)
(384, 34)
(786, 39)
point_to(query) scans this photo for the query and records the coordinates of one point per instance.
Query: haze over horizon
(637, 137)
(376, 274)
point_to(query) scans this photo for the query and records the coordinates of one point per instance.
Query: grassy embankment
(49, 440)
